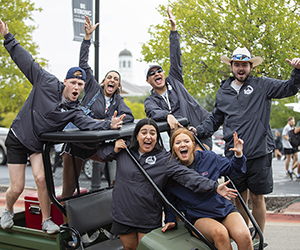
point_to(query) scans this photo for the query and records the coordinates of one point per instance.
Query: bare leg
(238, 230)
(69, 182)
(17, 183)
(295, 158)
(259, 211)
(130, 241)
(240, 207)
(287, 162)
(39, 177)
(215, 232)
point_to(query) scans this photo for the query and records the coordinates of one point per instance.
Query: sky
(123, 24)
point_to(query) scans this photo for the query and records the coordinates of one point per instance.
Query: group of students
(187, 175)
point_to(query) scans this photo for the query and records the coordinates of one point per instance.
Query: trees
(13, 84)
(211, 28)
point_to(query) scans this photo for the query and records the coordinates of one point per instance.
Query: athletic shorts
(121, 229)
(290, 151)
(220, 219)
(17, 153)
(79, 152)
(258, 178)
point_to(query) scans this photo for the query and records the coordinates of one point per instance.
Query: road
(283, 186)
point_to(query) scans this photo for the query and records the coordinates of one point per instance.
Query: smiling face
(111, 83)
(73, 88)
(157, 81)
(147, 138)
(241, 71)
(184, 149)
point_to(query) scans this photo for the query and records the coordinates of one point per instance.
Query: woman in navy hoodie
(213, 215)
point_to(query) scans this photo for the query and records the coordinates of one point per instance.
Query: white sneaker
(50, 227)
(7, 219)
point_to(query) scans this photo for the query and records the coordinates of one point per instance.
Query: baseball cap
(71, 73)
(149, 67)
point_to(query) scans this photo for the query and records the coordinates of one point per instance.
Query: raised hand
(3, 28)
(88, 28)
(172, 20)
(295, 62)
(238, 145)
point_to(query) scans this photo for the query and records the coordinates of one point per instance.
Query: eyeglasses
(241, 57)
(152, 73)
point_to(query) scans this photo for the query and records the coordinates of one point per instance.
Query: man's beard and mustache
(241, 78)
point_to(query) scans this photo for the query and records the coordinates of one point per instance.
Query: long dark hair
(118, 90)
(134, 144)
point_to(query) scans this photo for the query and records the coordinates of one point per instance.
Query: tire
(88, 169)
(2, 156)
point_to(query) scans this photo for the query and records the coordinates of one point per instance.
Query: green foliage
(138, 99)
(280, 113)
(137, 109)
(211, 28)
(7, 119)
(14, 87)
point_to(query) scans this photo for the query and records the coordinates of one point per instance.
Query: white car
(3, 134)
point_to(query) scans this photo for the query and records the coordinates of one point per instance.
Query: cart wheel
(88, 168)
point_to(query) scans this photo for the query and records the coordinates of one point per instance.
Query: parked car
(3, 134)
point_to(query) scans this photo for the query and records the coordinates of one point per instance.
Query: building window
(129, 64)
(124, 64)
(120, 64)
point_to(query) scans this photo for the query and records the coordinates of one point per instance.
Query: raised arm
(91, 82)
(175, 52)
(22, 58)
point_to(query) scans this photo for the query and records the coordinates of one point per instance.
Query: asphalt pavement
(282, 229)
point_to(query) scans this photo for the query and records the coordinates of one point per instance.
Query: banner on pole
(80, 9)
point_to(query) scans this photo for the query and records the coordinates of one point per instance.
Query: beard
(242, 78)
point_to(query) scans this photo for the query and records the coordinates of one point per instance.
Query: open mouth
(75, 94)
(158, 80)
(183, 152)
(110, 87)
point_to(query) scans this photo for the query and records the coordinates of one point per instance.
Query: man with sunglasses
(169, 98)
(243, 105)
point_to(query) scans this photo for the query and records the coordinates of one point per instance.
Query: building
(126, 70)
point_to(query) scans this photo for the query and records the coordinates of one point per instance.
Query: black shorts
(290, 151)
(79, 152)
(121, 229)
(17, 153)
(258, 178)
(220, 219)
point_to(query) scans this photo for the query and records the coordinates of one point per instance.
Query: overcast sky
(123, 24)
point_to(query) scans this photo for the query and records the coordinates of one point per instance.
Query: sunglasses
(241, 57)
(152, 73)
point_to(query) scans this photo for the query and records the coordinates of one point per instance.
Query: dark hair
(118, 90)
(134, 144)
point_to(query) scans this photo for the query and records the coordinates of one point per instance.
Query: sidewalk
(289, 214)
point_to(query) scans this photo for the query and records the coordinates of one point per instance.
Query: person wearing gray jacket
(50, 106)
(243, 105)
(169, 98)
(137, 208)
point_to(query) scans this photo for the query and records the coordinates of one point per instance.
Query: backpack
(294, 139)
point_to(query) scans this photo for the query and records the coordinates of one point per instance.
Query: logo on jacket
(248, 90)
(63, 110)
(151, 160)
